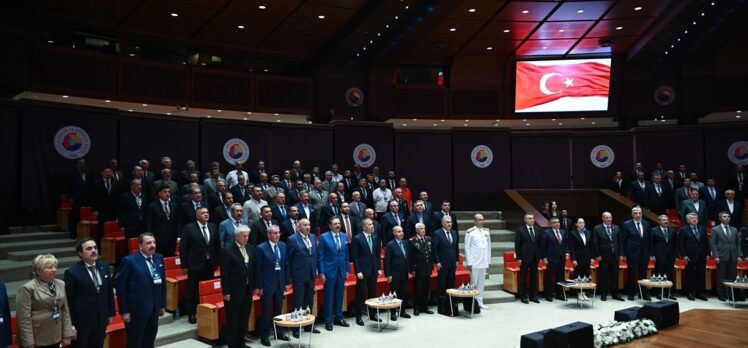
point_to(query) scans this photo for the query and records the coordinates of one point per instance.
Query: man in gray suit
(726, 251)
(682, 193)
(357, 207)
(694, 205)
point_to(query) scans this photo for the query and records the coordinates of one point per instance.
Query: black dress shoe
(340, 322)
(672, 297)
(549, 298)
(691, 297)
(393, 317)
(525, 301)
(535, 299)
(631, 298)
(295, 334)
(328, 326)
(283, 337)
(560, 298)
(618, 297)
(647, 298)
(659, 297)
(722, 298)
(191, 319)
(405, 315)
(702, 297)
(603, 297)
(359, 322)
(265, 342)
(416, 312)
(428, 311)
(375, 318)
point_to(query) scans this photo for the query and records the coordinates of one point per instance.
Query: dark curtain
(541, 161)
(671, 147)
(43, 169)
(716, 143)
(312, 145)
(10, 140)
(151, 138)
(424, 159)
(378, 135)
(477, 188)
(214, 134)
(587, 175)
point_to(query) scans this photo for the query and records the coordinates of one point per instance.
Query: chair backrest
(86, 212)
(171, 263)
(132, 245)
(111, 227)
(509, 256)
(64, 201)
(209, 289)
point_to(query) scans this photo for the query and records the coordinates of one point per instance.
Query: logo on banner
(602, 156)
(72, 142)
(364, 155)
(738, 152)
(354, 96)
(235, 150)
(664, 95)
(482, 156)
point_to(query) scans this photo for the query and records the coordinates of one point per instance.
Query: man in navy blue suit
(90, 295)
(190, 207)
(553, 248)
(302, 263)
(636, 242)
(445, 244)
(280, 209)
(333, 270)
(693, 246)
(391, 219)
(365, 253)
(6, 335)
(272, 269)
(227, 228)
(141, 293)
(397, 268)
(733, 206)
(306, 210)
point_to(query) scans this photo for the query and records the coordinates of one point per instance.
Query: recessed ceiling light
(219, 110)
(321, 16)
(506, 30)
(168, 114)
(497, 120)
(467, 120)
(525, 11)
(209, 116)
(396, 17)
(582, 118)
(678, 39)
(65, 97)
(495, 124)
(703, 14)
(545, 47)
(489, 48)
(51, 41)
(262, 7)
(435, 124)
(465, 125)
(249, 112)
(637, 8)
(405, 124)
(174, 14)
(737, 116)
(527, 124)
(452, 29)
(275, 114)
(132, 54)
(277, 120)
(619, 28)
(415, 119)
(203, 63)
(245, 118)
(471, 10)
(560, 123)
(524, 120)
(266, 70)
(130, 110)
(580, 11)
(240, 26)
(739, 111)
(442, 120)
(553, 119)
(593, 122)
(144, 104)
(561, 30)
(107, 101)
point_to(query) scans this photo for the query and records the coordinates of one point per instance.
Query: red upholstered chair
(210, 312)
(13, 329)
(711, 269)
(678, 268)
(113, 243)
(63, 213)
(64, 201)
(349, 287)
(176, 282)
(116, 337)
(132, 245)
(86, 213)
(623, 268)
(511, 272)
(594, 266)
(709, 227)
(742, 268)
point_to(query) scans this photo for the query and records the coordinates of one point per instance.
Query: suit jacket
(659, 203)
(172, 184)
(445, 252)
(436, 220)
(161, 227)
(271, 192)
(82, 191)
(219, 214)
(410, 224)
(364, 261)
(292, 197)
(734, 184)
(550, 248)
(367, 196)
(333, 263)
(396, 263)
(227, 232)
(711, 203)
(581, 252)
(287, 230)
(89, 306)
(350, 184)
(312, 215)
(188, 211)
(259, 232)
(631, 244)
(105, 202)
(215, 199)
(302, 262)
(697, 249)
(34, 304)
(344, 197)
(607, 247)
(6, 336)
(726, 243)
(318, 199)
(194, 252)
(357, 209)
(272, 280)
(136, 292)
(736, 215)
(277, 215)
(620, 187)
(640, 195)
(355, 230)
(681, 194)
(388, 222)
(526, 247)
(661, 248)
(326, 212)
(688, 207)
(131, 216)
(421, 258)
(240, 198)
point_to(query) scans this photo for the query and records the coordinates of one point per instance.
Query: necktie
(166, 210)
(397, 218)
(610, 236)
(420, 218)
(108, 186)
(152, 267)
(337, 241)
(695, 232)
(241, 189)
(268, 224)
(664, 233)
(639, 229)
(371, 245)
(244, 254)
(583, 234)
(532, 233)
(308, 244)
(277, 253)
(659, 190)
(335, 210)
(347, 225)
(711, 192)
(283, 212)
(92, 269)
(449, 236)
(400, 243)
(206, 236)
(558, 237)
(295, 227)
(727, 230)
(236, 224)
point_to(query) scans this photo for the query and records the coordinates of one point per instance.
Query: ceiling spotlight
(685, 31)
(580, 11)
(527, 124)
(277, 120)
(713, 3)
(405, 124)
(525, 11)
(415, 119)
(694, 23)
(467, 120)
(275, 114)
(524, 120)
(386, 25)
(168, 114)
(266, 70)
(471, 10)
(452, 29)
(407, 7)
(219, 110)
(245, 118)
(506, 30)
(249, 112)
(489, 48)
(435, 124)
(262, 7)
(593, 122)
(210, 116)
(144, 104)
(703, 14)
(637, 8)
(672, 46)
(174, 14)
(465, 125)
(582, 118)
(737, 116)
(51, 41)
(666, 52)
(497, 120)
(240, 26)
(132, 54)
(442, 120)
(560, 123)
(65, 97)
(109, 101)
(619, 28)
(553, 119)
(678, 39)
(739, 111)
(129, 110)
(561, 30)
(321, 16)
(396, 17)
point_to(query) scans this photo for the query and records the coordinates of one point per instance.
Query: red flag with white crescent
(540, 84)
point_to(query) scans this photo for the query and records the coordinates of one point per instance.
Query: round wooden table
(733, 286)
(374, 303)
(657, 285)
(463, 294)
(281, 321)
(581, 287)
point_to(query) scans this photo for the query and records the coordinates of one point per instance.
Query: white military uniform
(478, 256)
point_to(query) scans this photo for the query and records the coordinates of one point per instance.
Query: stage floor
(701, 328)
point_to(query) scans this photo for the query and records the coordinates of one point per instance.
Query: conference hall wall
(452, 164)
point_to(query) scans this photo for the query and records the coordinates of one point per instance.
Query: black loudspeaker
(533, 340)
(444, 308)
(576, 335)
(469, 303)
(627, 314)
(663, 313)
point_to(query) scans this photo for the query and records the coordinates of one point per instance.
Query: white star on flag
(569, 82)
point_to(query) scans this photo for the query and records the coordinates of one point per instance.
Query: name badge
(56, 312)
(2, 320)
(277, 266)
(156, 281)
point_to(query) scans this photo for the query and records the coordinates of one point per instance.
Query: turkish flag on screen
(540, 84)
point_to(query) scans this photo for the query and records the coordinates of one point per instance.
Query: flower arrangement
(618, 332)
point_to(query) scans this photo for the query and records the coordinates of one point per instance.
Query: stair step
(175, 331)
(497, 235)
(32, 229)
(37, 245)
(21, 270)
(32, 236)
(470, 214)
(491, 224)
(190, 343)
(497, 296)
(28, 255)
(494, 282)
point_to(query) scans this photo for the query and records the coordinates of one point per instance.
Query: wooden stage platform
(721, 328)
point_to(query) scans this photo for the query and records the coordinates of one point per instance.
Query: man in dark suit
(367, 196)
(736, 182)
(618, 184)
(333, 270)
(607, 246)
(198, 251)
(636, 246)
(369, 214)
(428, 208)
(418, 216)
(289, 227)
(660, 196)
(132, 210)
(365, 255)
(294, 195)
(106, 197)
(445, 245)
(582, 251)
(6, 332)
(696, 206)
(139, 173)
(280, 209)
(397, 268)
(727, 252)
(254, 176)
(436, 220)
(238, 282)
(141, 293)
(261, 227)
(567, 224)
(216, 198)
(693, 246)
(681, 194)
(639, 191)
(80, 191)
(287, 183)
(390, 220)
(166, 180)
(302, 265)
(527, 249)
(241, 190)
(711, 194)
(163, 220)
(228, 227)
(306, 210)
(190, 207)
(274, 280)
(664, 245)
(349, 181)
(117, 175)
(397, 196)
(553, 248)
(343, 196)
(348, 222)
(184, 176)
(222, 211)
(90, 295)
(326, 211)
(422, 265)
(296, 172)
(734, 207)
